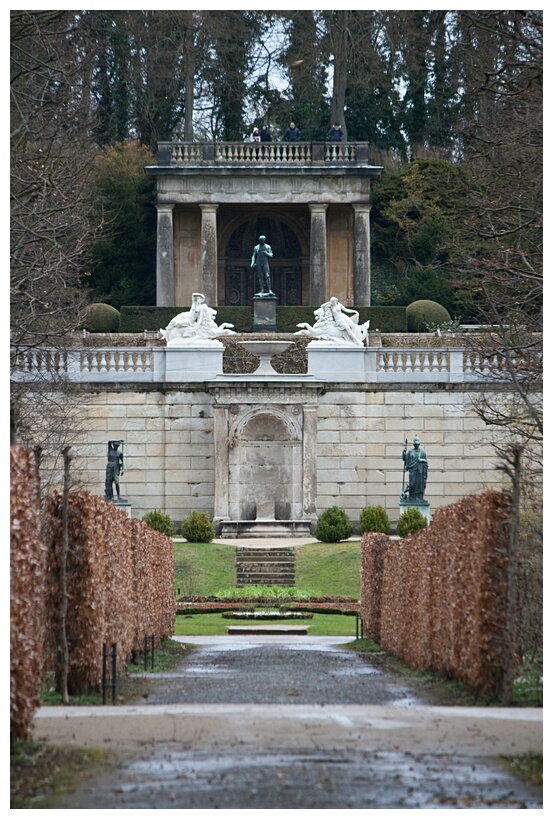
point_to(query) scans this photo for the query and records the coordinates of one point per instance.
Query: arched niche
(286, 265)
(265, 466)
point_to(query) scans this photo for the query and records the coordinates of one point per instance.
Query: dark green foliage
(333, 525)
(410, 521)
(197, 528)
(416, 219)
(422, 313)
(160, 521)
(374, 519)
(136, 319)
(124, 264)
(101, 318)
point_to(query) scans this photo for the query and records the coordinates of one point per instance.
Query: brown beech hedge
(438, 599)
(28, 616)
(120, 587)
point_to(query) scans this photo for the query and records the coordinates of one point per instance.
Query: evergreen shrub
(410, 521)
(101, 318)
(374, 519)
(160, 521)
(384, 319)
(333, 525)
(197, 528)
(136, 319)
(423, 313)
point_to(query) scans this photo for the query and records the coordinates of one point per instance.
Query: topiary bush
(333, 525)
(101, 318)
(197, 528)
(410, 521)
(160, 521)
(374, 519)
(422, 313)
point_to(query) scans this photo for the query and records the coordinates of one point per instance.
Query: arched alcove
(265, 466)
(286, 264)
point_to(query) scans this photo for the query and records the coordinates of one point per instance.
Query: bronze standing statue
(114, 469)
(260, 261)
(417, 465)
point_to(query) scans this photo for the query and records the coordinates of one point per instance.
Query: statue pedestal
(264, 314)
(423, 507)
(124, 505)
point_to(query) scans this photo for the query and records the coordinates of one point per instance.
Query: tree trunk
(189, 72)
(63, 645)
(510, 636)
(339, 37)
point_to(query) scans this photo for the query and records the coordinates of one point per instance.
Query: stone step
(265, 566)
(266, 580)
(269, 629)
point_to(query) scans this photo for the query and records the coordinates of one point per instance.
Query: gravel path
(272, 670)
(296, 723)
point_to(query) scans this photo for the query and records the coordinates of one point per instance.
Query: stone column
(362, 256)
(209, 253)
(220, 440)
(165, 286)
(318, 255)
(310, 462)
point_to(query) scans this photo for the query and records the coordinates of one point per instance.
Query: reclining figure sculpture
(334, 324)
(196, 324)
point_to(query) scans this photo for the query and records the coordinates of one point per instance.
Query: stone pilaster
(209, 253)
(220, 436)
(165, 287)
(318, 255)
(309, 476)
(362, 256)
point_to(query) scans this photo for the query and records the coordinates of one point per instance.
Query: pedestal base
(264, 314)
(265, 528)
(124, 505)
(423, 507)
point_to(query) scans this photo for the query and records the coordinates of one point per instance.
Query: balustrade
(189, 154)
(146, 364)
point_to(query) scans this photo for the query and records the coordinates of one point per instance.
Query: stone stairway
(270, 566)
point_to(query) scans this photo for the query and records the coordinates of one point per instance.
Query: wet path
(263, 723)
(263, 669)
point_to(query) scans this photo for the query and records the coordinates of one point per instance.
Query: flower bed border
(315, 605)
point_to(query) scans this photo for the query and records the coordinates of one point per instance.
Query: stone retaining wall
(355, 456)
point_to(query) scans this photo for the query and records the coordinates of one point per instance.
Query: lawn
(203, 568)
(332, 569)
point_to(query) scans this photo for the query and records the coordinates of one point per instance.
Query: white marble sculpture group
(195, 325)
(334, 324)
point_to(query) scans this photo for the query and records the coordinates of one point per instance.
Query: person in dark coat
(265, 134)
(335, 134)
(293, 134)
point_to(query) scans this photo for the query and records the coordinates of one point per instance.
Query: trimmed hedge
(28, 594)
(424, 312)
(383, 319)
(138, 319)
(438, 599)
(101, 318)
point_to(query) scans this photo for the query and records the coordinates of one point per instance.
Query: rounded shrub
(424, 312)
(101, 318)
(333, 525)
(160, 521)
(197, 528)
(410, 521)
(374, 519)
